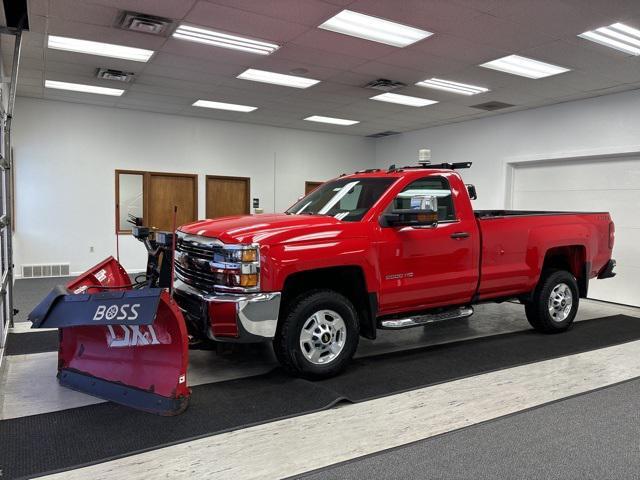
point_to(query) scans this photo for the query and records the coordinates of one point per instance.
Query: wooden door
(227, 196)
(311, 186)
(167, 190)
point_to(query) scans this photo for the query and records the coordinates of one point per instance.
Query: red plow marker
(119, 343)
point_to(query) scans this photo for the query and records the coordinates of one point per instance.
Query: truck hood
(267, 228)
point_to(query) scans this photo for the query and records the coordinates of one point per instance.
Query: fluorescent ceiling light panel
(277, 78)
(80, 87)
(334, 121)
(454, 87)
(224, 106)
(224, 40)
(99, 48)
(374, 29)
(403, 99)
(525, 67)
(618, 36)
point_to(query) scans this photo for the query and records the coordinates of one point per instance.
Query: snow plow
(120, 340)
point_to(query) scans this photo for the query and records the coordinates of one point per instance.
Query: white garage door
(606, 184)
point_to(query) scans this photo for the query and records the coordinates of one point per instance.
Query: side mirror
(471, 190)
(422, 211)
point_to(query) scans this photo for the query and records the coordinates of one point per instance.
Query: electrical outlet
(91, 249)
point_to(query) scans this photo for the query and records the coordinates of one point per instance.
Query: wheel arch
(348, 280)
(572, 258)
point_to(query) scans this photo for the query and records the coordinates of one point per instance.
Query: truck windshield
(347, 199)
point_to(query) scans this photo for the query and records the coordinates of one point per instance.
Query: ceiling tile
(620, 9)
(84, 12)
(133, 96)
(38, 7)
(37, 24)
(183, 66)
(501, 34)
(450, 47)
(244, 23)
(31, 82)
(553, 17)
(482, 5)
(314, 56)
(31, 74)
(175, 9)
(377, 70)
(432, 15)
(583, 81)
(149, 85)
(146, 107)
(430, 65)
(307, 12)
(344, 44)
(30, 91)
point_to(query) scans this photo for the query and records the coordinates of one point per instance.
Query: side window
(437, 186)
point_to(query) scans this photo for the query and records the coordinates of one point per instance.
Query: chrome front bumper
(257, 313)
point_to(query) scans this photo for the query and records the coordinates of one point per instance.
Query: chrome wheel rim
(560, 302)
(323, 337)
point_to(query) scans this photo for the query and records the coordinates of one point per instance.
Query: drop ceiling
(467, 33)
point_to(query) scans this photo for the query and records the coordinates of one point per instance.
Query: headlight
(240, 266)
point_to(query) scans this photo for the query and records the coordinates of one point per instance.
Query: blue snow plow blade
(62, 308)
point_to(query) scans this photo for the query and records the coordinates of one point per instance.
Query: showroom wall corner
(605, 125)
(66, 155)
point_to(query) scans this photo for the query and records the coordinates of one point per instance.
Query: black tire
(537, 310)
(286, 343)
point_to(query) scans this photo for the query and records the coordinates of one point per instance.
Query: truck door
(424, 267)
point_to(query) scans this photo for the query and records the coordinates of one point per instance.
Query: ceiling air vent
(117, 75)
(388, 133)
(142, 23)
(385, 85)
(492, 106)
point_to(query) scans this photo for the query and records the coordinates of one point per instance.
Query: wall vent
(143, 23)
(117, 75)
(491, 106)
(385, 85)
(387, 133)
(45, 270)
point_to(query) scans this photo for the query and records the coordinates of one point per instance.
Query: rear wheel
(318, 335)
(555, 302)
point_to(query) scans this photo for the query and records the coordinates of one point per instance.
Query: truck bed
(515, 244)
(524, 213)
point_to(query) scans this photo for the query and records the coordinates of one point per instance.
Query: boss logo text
(123, 312)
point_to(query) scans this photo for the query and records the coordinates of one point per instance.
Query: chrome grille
(193, 260)
(210, 265)
(198, 251)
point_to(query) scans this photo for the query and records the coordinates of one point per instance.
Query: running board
(418, 320)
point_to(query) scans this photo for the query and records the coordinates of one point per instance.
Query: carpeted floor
(590, 436)
(28, 293)
(234, 404)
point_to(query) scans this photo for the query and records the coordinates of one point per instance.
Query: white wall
(593, 127)
(66, 155)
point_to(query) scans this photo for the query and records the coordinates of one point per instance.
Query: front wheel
(318, 335)
(555, 302)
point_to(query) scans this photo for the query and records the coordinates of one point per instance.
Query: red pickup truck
(386, 249)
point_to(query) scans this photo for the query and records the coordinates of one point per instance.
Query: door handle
(460, 235)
